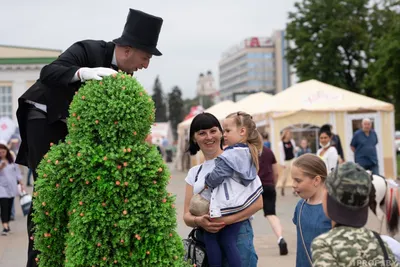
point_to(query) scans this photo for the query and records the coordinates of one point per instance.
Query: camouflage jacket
(348, 246)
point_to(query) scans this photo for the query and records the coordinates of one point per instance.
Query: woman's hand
(209, 224)
(3, 164)
(22, 186)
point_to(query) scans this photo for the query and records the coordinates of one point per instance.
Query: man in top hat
(43, 108)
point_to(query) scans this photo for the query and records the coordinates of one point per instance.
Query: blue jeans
(373, 168)
(245, 245)
(225, 240)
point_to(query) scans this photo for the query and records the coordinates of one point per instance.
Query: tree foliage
(384, 72)
(330, 39)
(352, 44)
(159, 102)
(175, 105)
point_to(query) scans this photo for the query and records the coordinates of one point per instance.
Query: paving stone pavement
(13, 248)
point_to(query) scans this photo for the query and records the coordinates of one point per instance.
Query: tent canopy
(254, 104)
(220, 111)
(313, 95)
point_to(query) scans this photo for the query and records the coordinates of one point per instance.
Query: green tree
(188, 103)
(384, 72)
(101, 197)
(175, 105)
(329, 40)
(206, 101)
(158, 98)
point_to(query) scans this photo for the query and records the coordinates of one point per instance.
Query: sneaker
(283, 247)
(5, 232)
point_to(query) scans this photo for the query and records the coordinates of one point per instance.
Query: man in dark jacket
(43, 108)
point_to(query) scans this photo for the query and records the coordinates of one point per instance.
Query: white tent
(257, 103)
(161, 131)
(313, 95)
(314, 103)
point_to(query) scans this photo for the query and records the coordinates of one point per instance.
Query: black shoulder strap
(197, 174)
(385, 254)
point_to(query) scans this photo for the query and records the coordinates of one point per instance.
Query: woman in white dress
(327, 152)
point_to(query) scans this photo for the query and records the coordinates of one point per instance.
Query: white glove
(94, 73)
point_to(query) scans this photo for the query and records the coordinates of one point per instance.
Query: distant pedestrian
(266, 141)
(363, 145)
(327, 152)
(269, 175)
(304, 148)
(335, 142)
(286, 153)
(10, 177)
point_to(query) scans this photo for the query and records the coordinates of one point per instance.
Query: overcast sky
(192, 39)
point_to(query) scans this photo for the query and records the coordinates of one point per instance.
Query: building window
(257, 83)
(268, 55)
(269, 83)
(260, 55)
(254, 55)
(5, 101)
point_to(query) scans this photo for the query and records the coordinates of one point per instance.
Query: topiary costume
(101, 195)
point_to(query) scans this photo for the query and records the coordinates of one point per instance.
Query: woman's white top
(208, 166)
(9, 177)
(330, 158)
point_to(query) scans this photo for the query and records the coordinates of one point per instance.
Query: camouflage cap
(348, 187)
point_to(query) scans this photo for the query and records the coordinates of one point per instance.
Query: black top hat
(141, 31)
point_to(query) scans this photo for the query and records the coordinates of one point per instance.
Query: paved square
(13, 248)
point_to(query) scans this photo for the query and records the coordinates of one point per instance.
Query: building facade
(19, 69)
(257, 64)
(206, 84)
(206, 90)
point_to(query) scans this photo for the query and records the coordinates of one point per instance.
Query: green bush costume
(101, 195)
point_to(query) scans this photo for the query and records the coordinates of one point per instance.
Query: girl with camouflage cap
(346, 203)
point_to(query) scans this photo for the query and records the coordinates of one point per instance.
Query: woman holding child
(206, 135)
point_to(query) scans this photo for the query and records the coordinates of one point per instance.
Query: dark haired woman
(206, 135)
(327, 152)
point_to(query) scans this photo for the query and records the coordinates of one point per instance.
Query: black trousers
(5, 209)
(39, 136)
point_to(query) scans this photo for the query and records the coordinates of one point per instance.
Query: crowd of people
(334, 194)
(240, 172)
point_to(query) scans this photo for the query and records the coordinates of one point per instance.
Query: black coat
(54, 88)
